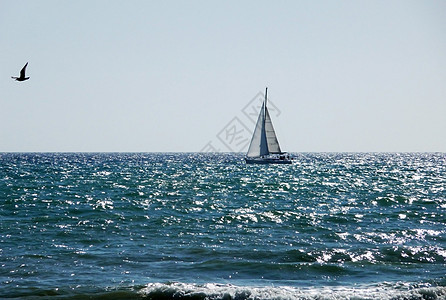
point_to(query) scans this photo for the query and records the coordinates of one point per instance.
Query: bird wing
(22, 72)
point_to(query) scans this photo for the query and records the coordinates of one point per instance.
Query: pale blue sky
(172, 75)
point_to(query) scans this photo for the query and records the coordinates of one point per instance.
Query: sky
(189, 76)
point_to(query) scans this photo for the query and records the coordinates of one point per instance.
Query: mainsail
(264, 140)
(273, 143)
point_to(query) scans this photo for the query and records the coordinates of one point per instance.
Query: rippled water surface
(200, 226)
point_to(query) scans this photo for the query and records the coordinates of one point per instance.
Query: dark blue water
(207, 226)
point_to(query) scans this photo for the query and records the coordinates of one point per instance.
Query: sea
(208, 226)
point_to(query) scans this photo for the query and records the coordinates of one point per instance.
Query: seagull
(22, 74)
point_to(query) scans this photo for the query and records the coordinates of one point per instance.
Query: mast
(264, 119)
(266, 97)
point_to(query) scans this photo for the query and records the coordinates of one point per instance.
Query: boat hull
(265, 161)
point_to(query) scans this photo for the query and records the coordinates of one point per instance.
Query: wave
(222, 291)
(215, 291)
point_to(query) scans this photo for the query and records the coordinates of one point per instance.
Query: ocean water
(208, 226)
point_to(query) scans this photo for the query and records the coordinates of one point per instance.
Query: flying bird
(22, 74)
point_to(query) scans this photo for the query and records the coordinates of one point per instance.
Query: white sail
(259, 145)
(273, 143)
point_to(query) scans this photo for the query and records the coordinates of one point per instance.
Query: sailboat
(264, 147)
